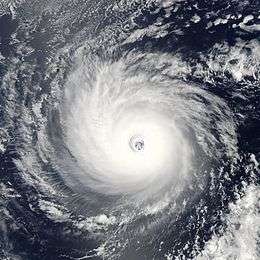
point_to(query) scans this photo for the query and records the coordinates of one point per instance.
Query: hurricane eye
(137, 143)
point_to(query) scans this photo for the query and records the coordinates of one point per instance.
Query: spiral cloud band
(134, 133)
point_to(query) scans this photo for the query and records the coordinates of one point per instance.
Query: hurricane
(129, 130)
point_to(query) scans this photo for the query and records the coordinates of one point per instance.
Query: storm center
(137, 143)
